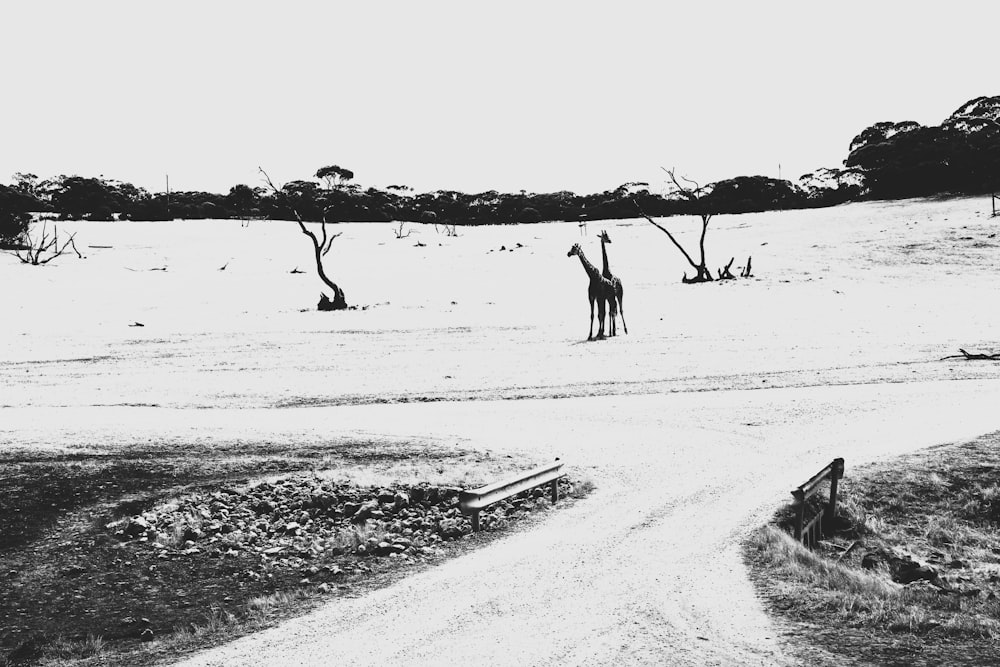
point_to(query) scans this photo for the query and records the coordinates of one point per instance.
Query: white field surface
(693, 427)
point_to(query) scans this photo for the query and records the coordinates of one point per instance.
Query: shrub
(13, 227)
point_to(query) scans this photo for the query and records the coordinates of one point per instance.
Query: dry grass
(940, 508)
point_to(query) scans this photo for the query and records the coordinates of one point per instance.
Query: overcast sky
(472, 96)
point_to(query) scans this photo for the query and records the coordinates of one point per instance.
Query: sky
(539, 96)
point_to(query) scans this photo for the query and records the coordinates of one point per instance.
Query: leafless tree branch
(667, 232)
(33, 250)
(399, 230)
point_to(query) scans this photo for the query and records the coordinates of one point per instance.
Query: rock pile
(316, 525)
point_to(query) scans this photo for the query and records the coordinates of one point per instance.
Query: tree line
(83, 198)
(886, 160)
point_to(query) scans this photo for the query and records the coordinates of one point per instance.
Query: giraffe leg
(613, 307)
(600, 319)
(621, 309)
(590, 332)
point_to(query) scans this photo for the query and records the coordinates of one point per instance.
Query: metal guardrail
(811, 532)
(473, 501)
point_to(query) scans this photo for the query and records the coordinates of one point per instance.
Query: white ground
(693, 426)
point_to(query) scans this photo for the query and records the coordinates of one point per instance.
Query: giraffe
(615, 282)
(600, 290)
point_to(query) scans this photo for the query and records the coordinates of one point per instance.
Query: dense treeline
(76, 197)
(886, 160)
(906, 159)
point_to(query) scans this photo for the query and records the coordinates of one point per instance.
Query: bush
(13, 227)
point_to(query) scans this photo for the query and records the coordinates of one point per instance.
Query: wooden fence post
(836, 472)
(555, 491)
(800, 512)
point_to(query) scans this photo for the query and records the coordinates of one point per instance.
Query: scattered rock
(264, 507)
(367, 511)
(136, 526)
(903, 569)
(73, 571)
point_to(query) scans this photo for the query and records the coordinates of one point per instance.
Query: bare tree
(321, 246)
(399, 231)
(693, 193)
(34, 250)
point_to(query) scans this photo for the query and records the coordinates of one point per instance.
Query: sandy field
(693, 427)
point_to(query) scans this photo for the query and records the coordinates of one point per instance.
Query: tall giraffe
(600, 290)
(615, 282)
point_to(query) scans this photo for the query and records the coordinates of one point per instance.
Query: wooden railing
(819, 525)
(473, 501)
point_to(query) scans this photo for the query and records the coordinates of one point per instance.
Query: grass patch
(936, 509)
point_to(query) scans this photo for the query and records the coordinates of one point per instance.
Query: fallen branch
(973, 357)
(846, 551)
(726, 274)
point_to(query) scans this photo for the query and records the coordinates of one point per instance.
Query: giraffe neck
(588, 267)
(604, 256)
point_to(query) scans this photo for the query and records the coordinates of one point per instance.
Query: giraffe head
(604, 237)
(575, 250)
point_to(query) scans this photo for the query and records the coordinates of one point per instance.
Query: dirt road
(644, 571)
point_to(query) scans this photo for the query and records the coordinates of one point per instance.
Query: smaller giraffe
(600, 290)
(615, 282)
